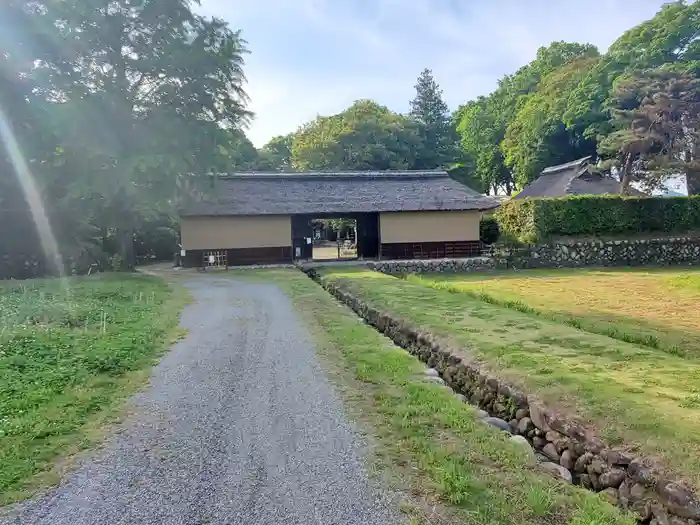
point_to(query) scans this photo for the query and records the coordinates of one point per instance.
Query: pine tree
(428, 106)
(430, 110)
(657, 119)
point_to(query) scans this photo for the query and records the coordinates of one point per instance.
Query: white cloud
(314, 57)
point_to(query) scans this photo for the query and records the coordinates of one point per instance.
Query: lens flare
(33, 198)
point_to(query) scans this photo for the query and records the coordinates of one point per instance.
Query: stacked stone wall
(473, 264)
(674, 251)
(670, 251)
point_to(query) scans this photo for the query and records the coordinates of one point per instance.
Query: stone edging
(633, 483)
(472, 264)
(621, 252)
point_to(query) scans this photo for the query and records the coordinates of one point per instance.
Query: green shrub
(489, 232)
(537, 219)
(516, 220)
(66, 347)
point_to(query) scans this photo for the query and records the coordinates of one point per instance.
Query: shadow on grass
(640, 332)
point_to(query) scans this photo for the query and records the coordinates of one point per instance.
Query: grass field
(424, 439)
(69, 356)
(657, 308)
(633, 394)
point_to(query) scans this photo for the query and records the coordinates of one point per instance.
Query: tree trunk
(104, 255)
(125, 239)
(626, 175)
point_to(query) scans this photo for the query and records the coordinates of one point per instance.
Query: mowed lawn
(633, 394)
(425, 440)
(70, 353)
(659, 308)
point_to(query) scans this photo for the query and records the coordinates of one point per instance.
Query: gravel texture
(238, 426)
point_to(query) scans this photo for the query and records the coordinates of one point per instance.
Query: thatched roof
(339, 192)
(572, 178)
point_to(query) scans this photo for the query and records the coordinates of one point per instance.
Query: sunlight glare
(33, 198)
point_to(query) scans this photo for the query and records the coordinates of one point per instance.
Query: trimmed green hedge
(538, 219)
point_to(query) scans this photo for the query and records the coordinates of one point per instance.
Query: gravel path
(239, 426)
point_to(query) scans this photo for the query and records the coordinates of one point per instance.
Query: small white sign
(308, 240)
(183, 253)
(212, 259)
(297, 252)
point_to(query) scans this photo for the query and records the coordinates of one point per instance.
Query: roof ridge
(568, 165)
(387, 174)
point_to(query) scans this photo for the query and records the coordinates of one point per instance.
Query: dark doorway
(335, 236)
(368, 236)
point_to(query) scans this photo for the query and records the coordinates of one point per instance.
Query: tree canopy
(125, 97)
(366, 136)
(537, 137)
(276, 155)
(516, 130)
(565, 104)
(656, 122)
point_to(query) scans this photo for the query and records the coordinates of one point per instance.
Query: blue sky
(311, 57)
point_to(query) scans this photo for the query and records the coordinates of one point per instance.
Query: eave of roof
(355, 175)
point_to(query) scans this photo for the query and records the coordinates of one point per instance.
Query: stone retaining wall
(631, 482)
(473, 264)
(636, 252)
(570, 254)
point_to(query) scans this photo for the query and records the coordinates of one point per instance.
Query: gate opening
(332, 237)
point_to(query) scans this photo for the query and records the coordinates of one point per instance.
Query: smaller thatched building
(572, 178)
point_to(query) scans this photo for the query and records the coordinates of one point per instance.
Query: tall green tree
(656, 116)
(537, 137)
(431, 111)
(481, 136)
(276, 155)
(238, 153)
(483, 123)
(366, 136)
(671, 37)
(29, 147)
(143, 91)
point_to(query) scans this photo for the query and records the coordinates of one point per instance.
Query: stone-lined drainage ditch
(563, 446)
